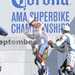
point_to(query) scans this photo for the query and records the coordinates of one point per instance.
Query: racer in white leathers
(66, 43)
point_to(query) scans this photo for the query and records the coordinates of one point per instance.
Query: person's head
(36, 24)
(66, 29)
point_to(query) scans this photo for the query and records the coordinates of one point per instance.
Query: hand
(35, 51)
(50, 42)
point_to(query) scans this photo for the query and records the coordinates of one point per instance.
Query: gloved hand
(50, 42)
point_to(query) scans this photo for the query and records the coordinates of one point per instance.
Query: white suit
(67, 43)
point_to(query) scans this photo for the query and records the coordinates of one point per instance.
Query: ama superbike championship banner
(16, 56)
